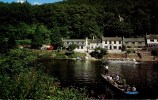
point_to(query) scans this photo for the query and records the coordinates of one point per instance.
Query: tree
(98, 52)
(11, 42)
(3, 44)
(41, 36)
(72, 47)
(56, 38)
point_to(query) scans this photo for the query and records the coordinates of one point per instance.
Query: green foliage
(98, 52)
(80, 18)
(11, 42)
(72, 47)
(69, 94)
(56, 40)
(41, 36)
(22, 78)
(3, 44)
(77, 54)
(24, 42)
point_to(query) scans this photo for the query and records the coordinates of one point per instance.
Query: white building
(112, 44)
(152, 41)
(82, 44)
(134, 43)
(93, 43)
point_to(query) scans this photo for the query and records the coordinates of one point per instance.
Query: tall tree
(3, 44)
(11, 42)
(41, 36)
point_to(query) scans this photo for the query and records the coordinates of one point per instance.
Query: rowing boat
(119, 88)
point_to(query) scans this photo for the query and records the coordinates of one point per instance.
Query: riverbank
(143, 58)
(63, 54)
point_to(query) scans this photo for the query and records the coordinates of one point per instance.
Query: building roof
(73, 39)
(94, 40)
(112, 38)
(152, 36)
(134, 39)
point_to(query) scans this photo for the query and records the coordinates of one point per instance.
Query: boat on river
(120, 60)
(119, 87)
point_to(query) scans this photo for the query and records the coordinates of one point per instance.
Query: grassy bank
(49, 54)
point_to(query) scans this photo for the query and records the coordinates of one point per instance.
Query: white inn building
(112, 44)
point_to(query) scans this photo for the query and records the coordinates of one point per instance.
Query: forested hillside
(79, 19)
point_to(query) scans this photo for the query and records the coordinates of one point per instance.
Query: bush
(24, 42)
(21, 78)
(98, 53)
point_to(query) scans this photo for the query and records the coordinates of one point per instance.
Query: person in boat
(128, 88)
(134, 88)
(117, 77)
(115, 84)
(106, 70)
(124, 82)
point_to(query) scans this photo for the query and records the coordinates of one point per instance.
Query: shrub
(24, 42)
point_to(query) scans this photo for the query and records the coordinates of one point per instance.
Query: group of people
(118, 81)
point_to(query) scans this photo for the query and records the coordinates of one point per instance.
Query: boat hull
(116, 89)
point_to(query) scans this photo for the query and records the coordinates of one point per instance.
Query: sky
(32, 1)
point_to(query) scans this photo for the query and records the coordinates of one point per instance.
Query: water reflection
(87, 73)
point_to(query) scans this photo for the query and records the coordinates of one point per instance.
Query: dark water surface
(87, 74)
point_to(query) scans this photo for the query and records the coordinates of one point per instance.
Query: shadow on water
(87, 74)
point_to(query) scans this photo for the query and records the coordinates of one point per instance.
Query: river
(87, 74)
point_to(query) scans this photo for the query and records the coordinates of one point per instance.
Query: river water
(87, 74)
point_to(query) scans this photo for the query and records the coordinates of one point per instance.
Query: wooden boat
(119, 88)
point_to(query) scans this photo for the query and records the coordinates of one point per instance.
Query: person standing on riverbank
(106, 70)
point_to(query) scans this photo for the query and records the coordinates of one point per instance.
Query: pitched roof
(73, 39)
(152, 36)
(94, 40)
(134, 39)
(112, 38)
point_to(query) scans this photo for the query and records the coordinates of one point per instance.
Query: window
(151, 40)
(139, 43)
(105, 42)
(114, 42)
(126, 42)
(140, 46)
(133, 42)
(119, 47)
(109, 42)
(115, 47)
(81, 47)
(119, 42)
(128, 46)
